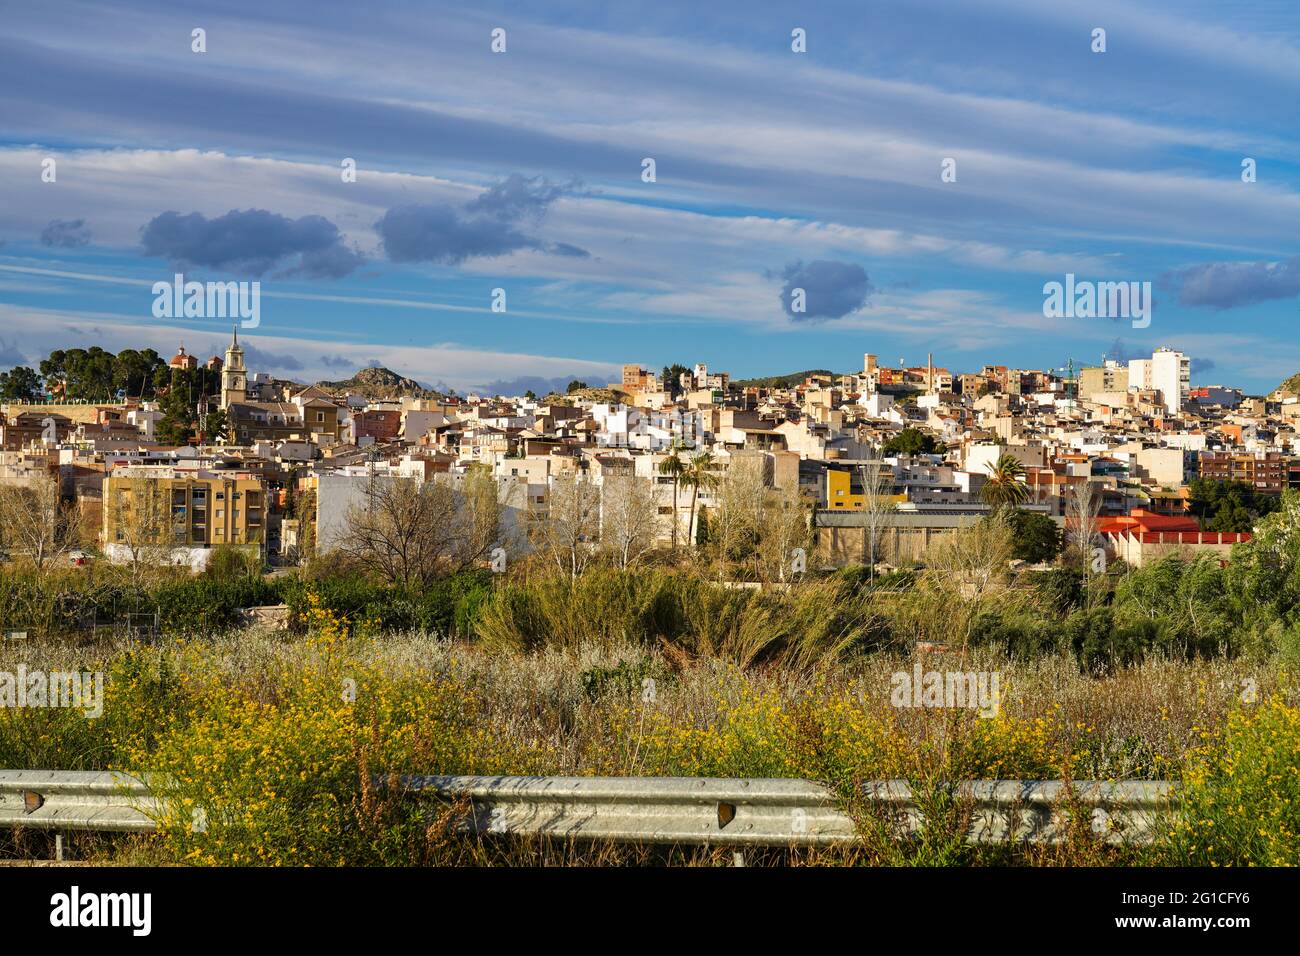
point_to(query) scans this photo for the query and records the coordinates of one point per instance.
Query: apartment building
(1168, 372)
(1110, 377)
(1268, 472)
(190, 512)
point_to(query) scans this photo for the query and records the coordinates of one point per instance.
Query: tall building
(234, 377)
(1167, 371)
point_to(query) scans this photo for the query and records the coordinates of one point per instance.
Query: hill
(610, 395)
(1289, 387)
(782, 381)
(379, 383)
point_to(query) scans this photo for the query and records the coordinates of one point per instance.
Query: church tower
(234, 377)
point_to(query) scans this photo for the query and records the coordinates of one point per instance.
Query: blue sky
(522, 170)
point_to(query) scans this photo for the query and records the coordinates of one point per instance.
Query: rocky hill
(1289, 387)
(379, 383)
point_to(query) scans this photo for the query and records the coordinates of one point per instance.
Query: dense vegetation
(1181, 669)
(1229, 506)
(911, 441)
(1175, 607)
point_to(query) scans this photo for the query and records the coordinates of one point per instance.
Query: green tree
(1037, 538)
(910, 441)
(575, 385)
(698, 474)
(1004, 486)
(1229, 506)
(1264, 575)
(20, 384)
(216, 426)
(133, 372)
(672, 378)
(85, 374)
(673, 467)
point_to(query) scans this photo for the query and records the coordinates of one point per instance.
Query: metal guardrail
(76, 800)
(751, 812)
(663, 810)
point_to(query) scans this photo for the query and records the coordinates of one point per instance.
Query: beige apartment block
(198, 511)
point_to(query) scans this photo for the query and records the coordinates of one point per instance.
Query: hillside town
(883, 459)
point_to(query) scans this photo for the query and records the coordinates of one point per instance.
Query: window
(320, 416)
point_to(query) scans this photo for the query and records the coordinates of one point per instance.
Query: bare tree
(629, 518)
(1082, 506)
(413, 530)
(568, 532)
(967, 570)
(139, 520)
(37, 521)
(877, 506)
(783, 528)
(735, 525)
(480, 516)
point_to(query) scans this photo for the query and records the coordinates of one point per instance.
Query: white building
(1167, 371)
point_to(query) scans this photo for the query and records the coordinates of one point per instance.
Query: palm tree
(1004, 486)
(673, 467)
(698, 474)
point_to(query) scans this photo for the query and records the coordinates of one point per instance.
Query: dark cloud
(336, 361)
(65, 234)
(251, 242)
(485, 227)
(831, 289)
(525, 383)
(1225, 285)
(1119, 352)
(1199, 365)
(261, 360)
(566, 249)
(10, 356)
(517, 197)
(437, 233)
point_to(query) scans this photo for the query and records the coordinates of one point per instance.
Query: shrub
(1240, 797)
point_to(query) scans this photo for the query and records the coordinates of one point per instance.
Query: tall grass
(276, 740)
(818, 623)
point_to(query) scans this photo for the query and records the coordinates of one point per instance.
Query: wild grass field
(1183, 670)
(277, 736)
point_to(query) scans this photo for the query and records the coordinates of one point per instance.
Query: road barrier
(663, 810)
(76, 800)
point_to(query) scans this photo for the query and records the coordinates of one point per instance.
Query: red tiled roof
(1142, 521)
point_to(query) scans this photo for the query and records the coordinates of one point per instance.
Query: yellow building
(842, 495)
(839, 492)
(187, 511)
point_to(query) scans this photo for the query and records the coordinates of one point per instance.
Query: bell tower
(234, 377)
